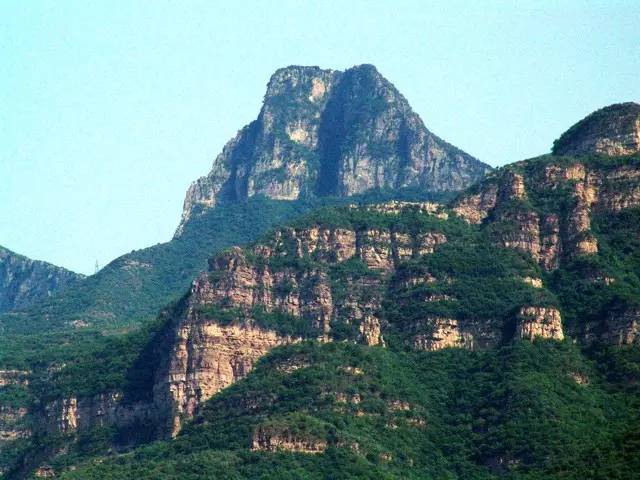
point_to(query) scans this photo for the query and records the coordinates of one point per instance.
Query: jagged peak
(613, 131)
(329, 132)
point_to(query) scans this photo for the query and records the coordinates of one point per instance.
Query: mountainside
(494, 336)
(24, 282)
(321, 135)
(613, 130)
(326, 132)
(359, 339)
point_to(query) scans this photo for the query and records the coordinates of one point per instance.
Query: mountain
(321, 136)
(24, 282)
(613, 130)
(495, 336)
(326, 132)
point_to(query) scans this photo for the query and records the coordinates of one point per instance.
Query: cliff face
(24, 281)
(612, 131)
(71, 414)
(325, 280)
(554, 222)
(325, 132)
(539, 322)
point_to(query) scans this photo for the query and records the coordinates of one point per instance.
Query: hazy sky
(108, 110)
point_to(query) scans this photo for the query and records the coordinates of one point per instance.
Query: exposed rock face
(325, 132)
(534, 282)
(24, 281)
(548, 237)
(550, 242)
(524, 232)
(12, 425)
(624, 329)
(70, 414)
(476, 207)
(44, 471)
(14, 377)
(205, 358)
(207, 353)
(445, 333)
(273, 439)
(395, 207)
(612, 131)
(539, 322)
(619, 328)
(512, 187)
(619, 189)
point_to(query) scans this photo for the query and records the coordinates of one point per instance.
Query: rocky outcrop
(325, 132)
(549, 236)
(14, 377)
(534, 282)
(24, 281)
(521, 231)
(395, 207)
(206, 357)
(619, 189)
(218, 336)
(44, 471)
(12, 425)
(550, 242)
(512, 187)
(475, 207)
(71, 414)
(282, 439)
(612, 131)
(539, 322)
(437, 333)
(620, 327)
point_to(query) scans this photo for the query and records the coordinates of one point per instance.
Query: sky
(110, 109)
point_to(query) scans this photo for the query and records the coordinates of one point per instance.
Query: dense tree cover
(523, 411)
(519, 411)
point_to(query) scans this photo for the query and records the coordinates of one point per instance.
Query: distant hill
(24, 282)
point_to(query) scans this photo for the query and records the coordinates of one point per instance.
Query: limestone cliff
(550, 230)
(274, 439)
(71, 414)
(284, 289)
(539, 322)
(325, 132)
(24, 281)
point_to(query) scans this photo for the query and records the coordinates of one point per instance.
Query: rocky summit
(326, 132)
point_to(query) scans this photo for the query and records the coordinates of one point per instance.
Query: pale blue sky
(108, 110)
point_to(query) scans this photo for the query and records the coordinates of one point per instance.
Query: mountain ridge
(24, 281)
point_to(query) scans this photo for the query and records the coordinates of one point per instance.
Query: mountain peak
(326, 132)
(613, 131)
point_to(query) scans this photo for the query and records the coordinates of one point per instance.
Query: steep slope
(321, 135)
(24, 282)
(325, 132)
